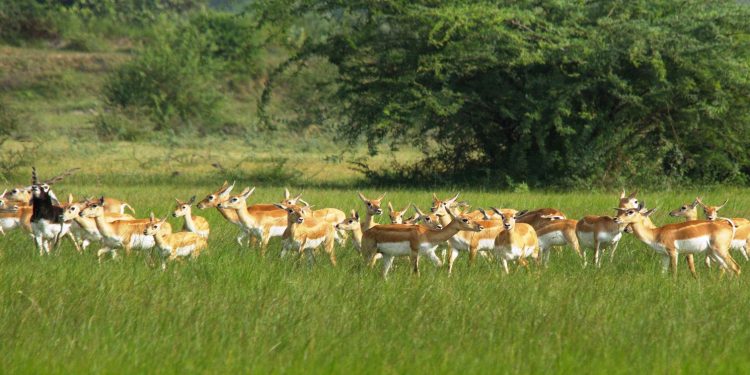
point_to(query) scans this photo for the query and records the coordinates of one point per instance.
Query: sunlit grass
(231, 310)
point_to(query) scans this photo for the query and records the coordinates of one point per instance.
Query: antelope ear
(484, 213)
(450, 201)
(70, 198)
(435, 198)
(405, 209)
(649, 212)
(279, 205)
(633, 194)
(356, 215)
(164, 219)
(362, 197)
(3, 194)
(227, 190)
(151, 217)
(381, 197)
(179, 202)
(390, 206)
(521, 213)
(622, 194)
(297, 198)
(723, 204)
(247, 193)
(191, 201)
(101, 200)
(286, 193)
(417, 210)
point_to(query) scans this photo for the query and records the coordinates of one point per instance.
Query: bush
(25, 20)
(116, 125)
(170, 81)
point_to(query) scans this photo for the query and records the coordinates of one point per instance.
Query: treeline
(563, 93)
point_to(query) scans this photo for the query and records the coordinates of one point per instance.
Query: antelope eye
(684, 207)
(211, 197)
(234, 199)
(465, 220)
(155, 226)
(631, 212)
(369, 204)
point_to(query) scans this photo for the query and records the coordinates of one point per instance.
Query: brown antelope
(173, 245)
(22, 195)
(540, 217)
(712, 213)
(353, 225)
(441, 207)
(372, 209)
(397, 217)
(222, 194)
(739, 242)
(83, 228)
(306, 233)
(691, 237)
(259, 222)
(558, 232)
(474, 242)
(599, 233)
(125, 234)
(331, 215)
(193, 223)
(15, 217)
(393, 240)
(516, 241)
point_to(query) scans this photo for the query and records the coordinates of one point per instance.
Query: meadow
(231, 310)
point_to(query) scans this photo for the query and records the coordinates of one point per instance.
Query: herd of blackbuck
(504, 234)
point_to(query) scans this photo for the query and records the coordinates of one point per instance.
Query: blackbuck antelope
(193, 223)
(306, 233)
(517, 241)
(540, 217)
(372, 209)
(712, 213)
(558, 232)
(173, 245)
(20, 195)
(83, 228)
(46, 218)
(397, 217)
(221, 195)
(393, 240)
(599, 233)
(119, 234)
(331, 215)
(440, 207)
(741, 237)
(353, 225)
(713, 238)
(474, 242)
(257, 221)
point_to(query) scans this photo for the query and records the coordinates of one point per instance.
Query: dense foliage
(565, 92)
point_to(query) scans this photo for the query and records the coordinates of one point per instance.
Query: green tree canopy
(549, 92)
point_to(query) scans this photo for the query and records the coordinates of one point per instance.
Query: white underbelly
(515, 252)
(459, 243)
(605, 238)
(139, 241)
(738, 244)
(692, 245)
(203, 233)
(49, 230)
(395, 248)
(555, 238)
(185, 250)
(9, 223)
(276, 231)
(313, 243)
(486, 244)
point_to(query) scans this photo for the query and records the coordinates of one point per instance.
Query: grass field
(233, 311)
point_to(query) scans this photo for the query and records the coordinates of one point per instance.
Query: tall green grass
(233, 311)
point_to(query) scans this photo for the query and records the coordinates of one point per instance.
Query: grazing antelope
(306, 233)
(599, 233)
(193, 223)
(558, 232)
(739, 242)
(516, 241)
(691, 237)
(397, 217)
(83, 228)
(331, 215)
(474, 242)
(712, 213)
(173, 245)
(393, 240)
(125, 234)
(260, 222)
(372, 209)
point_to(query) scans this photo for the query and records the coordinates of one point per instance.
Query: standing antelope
(741, 237)
(306, 233)
(516, 241)
(599, 233)
(372, 209)
(83, 228)
(712, 213)
(125, 234)
(540, 217)
(474, 242)
(193, 223)
(331, 215)
(397, 217)
(558, 232)
(393, 240)
(353, 225)
(689, 237)
(46, 217)
(173, 245)
(260, 222)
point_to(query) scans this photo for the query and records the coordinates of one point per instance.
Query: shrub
(117, 126)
